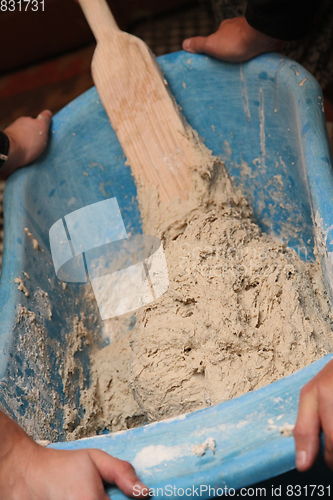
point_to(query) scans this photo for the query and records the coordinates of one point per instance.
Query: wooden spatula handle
(138, 104)
(99, 17)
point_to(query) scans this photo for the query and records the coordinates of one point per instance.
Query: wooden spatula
(142, 111)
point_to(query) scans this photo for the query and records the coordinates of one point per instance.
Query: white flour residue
(200, 449)
(154, 455)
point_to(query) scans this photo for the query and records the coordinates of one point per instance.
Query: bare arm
(264, 28)
(30, 472)
(234, 41)
(27, 138)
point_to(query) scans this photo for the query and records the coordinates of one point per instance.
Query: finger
(45, 116)
(326, 413)
(195, 45)
(119, 472)
(307, 428)
(212, 46)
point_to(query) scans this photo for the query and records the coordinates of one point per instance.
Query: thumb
(45, 116)
(195, 45)
(307, 428)
(119, 472)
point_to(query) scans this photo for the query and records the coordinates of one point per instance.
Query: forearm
(29, 471)
(27, 140)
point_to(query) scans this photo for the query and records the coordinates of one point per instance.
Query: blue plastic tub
(267, 113)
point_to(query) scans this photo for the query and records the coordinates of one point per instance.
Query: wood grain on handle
(99, 17)
(140, 108)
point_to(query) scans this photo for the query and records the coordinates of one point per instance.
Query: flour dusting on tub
(154, 455)
(33, 240)
(200, 449)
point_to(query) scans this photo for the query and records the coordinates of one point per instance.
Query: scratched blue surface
(265, 119)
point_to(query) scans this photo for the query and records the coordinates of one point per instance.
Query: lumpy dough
(241, 311)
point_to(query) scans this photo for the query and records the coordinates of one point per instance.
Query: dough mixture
(242, 310)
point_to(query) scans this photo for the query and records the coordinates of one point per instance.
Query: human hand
(315, 412)
(31, 472)
(234, 41)
(28, 138)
